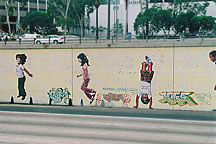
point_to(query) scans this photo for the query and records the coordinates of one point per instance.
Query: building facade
(16, 12)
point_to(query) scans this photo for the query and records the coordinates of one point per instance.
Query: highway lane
(47, 128)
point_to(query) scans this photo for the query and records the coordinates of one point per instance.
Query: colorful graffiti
(203, 98)
(58, 94)
(180, 98)
(125, 90)
(110, 97)
(126, 99)
(98, 98)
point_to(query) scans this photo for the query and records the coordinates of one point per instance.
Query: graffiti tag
(126, 90)
(112, 97)
(58, 94)
(180, 98)
(126, 99)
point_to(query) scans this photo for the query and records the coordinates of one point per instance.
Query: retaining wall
(184, 77)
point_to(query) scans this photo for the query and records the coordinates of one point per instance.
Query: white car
(50, 39)
(29, 36)
(3, 37)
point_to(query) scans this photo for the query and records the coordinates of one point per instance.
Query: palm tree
(6, 3)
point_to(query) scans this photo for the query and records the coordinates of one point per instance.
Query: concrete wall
(184, 72)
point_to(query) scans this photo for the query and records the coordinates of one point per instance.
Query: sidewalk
(122, 112)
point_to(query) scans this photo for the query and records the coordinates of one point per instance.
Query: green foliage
(158, 19)
(163, 20)
(194, 23)
(117, 29)
(140, 24)
(39, 22)
(190, 5)
(76, 11)
(207, 23)
(184, 21)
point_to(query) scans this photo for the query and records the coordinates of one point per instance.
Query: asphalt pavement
(52, 128)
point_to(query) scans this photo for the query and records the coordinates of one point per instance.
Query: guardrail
(114, 40)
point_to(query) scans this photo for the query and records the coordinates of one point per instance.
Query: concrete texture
(19, 127)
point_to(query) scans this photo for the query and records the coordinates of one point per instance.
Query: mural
(212, 56)
(90, 93)
(121, 90)
(126, 99)
(203, 98)
(113, 97)
(20, 69)
(145, 95)
(58, 94)
(180, 98)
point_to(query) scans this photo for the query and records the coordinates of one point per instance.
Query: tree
(140, 24)
(189, 5)
(162, 21)
(158, 19)
(10, 9)
(39, 22)
(101, 29)
(184, 21)
(76, 12)
(61, 8)
(206, 23)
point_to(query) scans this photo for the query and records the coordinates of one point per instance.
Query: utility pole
(28, 6)
(147, 24)
(18, 19)
(108, 25)
(126, 23)
(38, 5)
(117, 20)
(46, 5)
(97, 6)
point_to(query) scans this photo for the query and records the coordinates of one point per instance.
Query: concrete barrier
(183, 79)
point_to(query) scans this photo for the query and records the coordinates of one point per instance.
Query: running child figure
(21, 59)
(90, 93)
(144, 95)
(212, 56)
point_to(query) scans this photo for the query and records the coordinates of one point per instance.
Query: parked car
(30, 36)
(55, 39)
(4, 37)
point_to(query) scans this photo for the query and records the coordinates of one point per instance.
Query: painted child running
(145, 95)
(212, 56)
(90, 93)
(21, 59)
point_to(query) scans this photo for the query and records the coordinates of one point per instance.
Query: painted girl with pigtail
(90, 93)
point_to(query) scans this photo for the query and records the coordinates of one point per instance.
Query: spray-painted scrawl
(125, 98)
(58, 94)
(180, 98)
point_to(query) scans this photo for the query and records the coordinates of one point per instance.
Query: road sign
(116, 8)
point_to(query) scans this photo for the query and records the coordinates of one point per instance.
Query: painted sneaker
(23, 98)
(18, 96)
(93, 97)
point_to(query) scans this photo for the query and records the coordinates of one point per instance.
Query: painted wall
(183, 79)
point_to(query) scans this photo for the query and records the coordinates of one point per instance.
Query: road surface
(53, 128)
